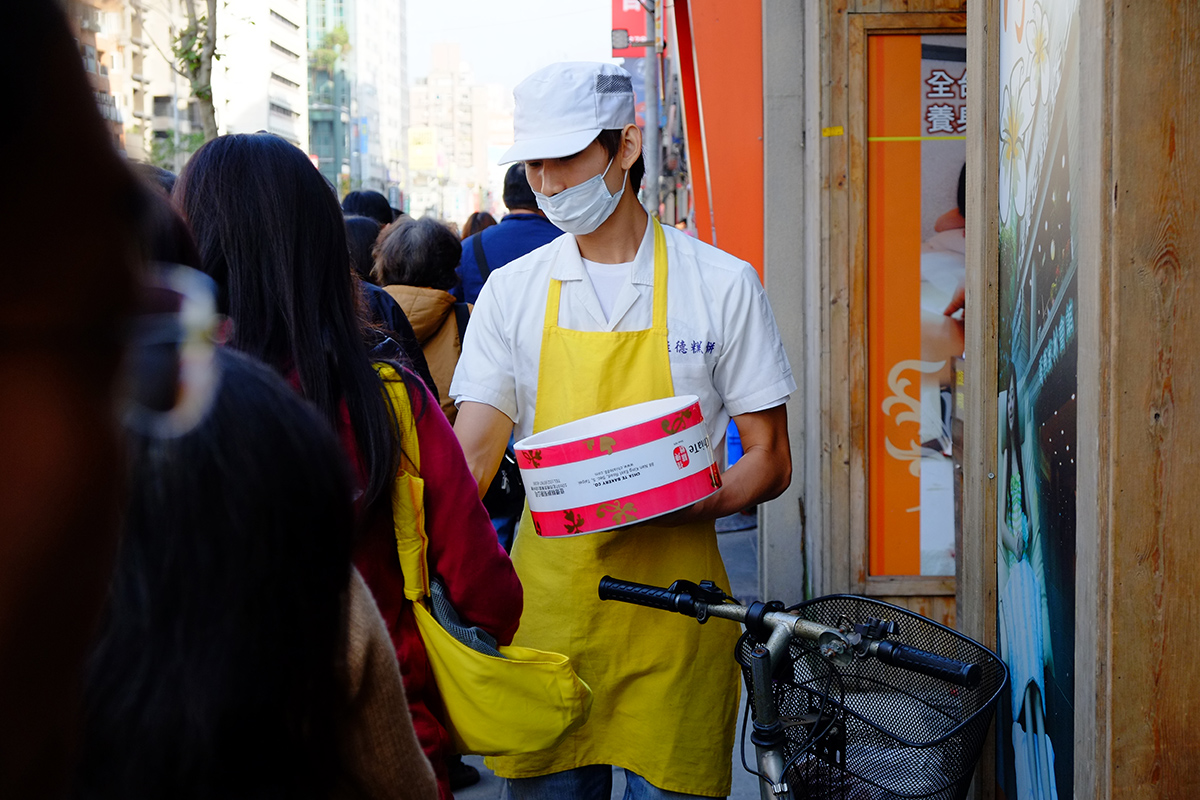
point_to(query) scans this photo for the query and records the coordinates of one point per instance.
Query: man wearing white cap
(618, 311)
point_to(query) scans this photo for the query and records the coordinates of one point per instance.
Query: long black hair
(273, 238)
(369, 203)
(215, 674)
(361, 233)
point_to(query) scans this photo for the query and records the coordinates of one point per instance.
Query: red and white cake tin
(618, 468)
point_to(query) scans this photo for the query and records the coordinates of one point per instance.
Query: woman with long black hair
(241, 655)
(271, 234)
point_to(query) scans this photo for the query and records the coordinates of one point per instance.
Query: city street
(740, 551)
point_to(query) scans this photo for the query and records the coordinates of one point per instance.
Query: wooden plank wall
(976, 563)
(836, 399)
(903, 6)
(1144, 371)
(1092, 552)
(843, 400)
(939, 609)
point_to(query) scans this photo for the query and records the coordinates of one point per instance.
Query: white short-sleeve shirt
(723, 340)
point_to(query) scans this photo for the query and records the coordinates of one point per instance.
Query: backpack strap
(462, 315)
(408, 491)
(480, 258)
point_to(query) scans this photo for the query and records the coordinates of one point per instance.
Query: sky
(505, 40)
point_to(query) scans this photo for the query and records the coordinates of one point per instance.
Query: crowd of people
(222, 610)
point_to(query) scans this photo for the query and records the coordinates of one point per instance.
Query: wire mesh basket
(869, 731)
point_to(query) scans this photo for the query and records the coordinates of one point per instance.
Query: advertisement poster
(1037, 383)
(629, 16)
(916, 264)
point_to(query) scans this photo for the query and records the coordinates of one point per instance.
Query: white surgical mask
(583, 208)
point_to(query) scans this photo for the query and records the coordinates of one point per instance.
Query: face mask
(583, 208)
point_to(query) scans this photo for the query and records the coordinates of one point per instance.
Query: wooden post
(1138, 688)
(977, 561)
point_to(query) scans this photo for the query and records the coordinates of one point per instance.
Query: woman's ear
(631, 145)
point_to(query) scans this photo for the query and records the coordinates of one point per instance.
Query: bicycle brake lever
(877, 628)
(711, 593)
(700, 596)
(873, 630)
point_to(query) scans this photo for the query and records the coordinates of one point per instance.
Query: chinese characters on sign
(948, 117)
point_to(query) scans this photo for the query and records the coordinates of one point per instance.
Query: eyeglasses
(171, 371)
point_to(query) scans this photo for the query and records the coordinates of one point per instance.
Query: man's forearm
(755, 478)
(483, 433)
(762, 473)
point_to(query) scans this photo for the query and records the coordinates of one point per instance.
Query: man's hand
(762, 473)
(483, 432)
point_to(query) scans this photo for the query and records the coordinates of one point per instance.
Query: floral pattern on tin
(678, 422)
(574, 522)
(618, 511)
(607, 443)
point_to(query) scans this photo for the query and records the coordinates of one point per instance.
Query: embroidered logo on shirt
(695, 347)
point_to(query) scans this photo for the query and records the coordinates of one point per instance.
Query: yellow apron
(665, 687)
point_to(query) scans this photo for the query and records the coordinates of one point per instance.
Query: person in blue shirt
(522, 230)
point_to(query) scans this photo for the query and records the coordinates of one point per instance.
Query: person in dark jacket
(369, 203)
(361, 233)
(522, 230)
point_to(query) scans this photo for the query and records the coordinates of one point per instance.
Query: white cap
(561, 109)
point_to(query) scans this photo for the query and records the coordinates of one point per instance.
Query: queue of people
(256, 636)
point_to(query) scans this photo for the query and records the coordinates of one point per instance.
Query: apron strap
(660, 286)
(552, 298)
(408, 495)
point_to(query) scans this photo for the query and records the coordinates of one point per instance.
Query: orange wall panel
(727, 48)
(693, 130)
(893, 296)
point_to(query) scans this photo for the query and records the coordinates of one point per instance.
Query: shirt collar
(568, 266)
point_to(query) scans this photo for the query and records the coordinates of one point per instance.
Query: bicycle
(839, 711)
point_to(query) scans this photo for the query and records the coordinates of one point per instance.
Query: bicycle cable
(826, 700)
(834, 675)
(742, 747)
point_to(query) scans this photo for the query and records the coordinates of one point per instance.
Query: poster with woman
(1035, 469)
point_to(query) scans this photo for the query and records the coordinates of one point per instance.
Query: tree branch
(170, 59)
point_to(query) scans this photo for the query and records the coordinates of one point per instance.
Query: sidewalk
(739, 549)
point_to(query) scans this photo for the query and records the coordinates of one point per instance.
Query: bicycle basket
(894, 733)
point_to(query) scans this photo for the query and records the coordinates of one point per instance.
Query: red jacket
(463, 552)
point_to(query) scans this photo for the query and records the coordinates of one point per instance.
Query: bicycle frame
(768, 737)
(771, 632)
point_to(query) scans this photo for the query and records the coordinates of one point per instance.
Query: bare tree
(195, 49)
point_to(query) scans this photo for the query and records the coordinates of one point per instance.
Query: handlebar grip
(642, 595)
(931, 664)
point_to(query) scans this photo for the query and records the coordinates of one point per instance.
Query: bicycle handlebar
(643, 595)
(833, 643)
(948, 669)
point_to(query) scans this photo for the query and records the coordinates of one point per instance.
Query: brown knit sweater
(380, 755)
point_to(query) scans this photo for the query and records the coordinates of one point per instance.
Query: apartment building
(100, 28)
(357, 96)
(453, 123)
(260, 82)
